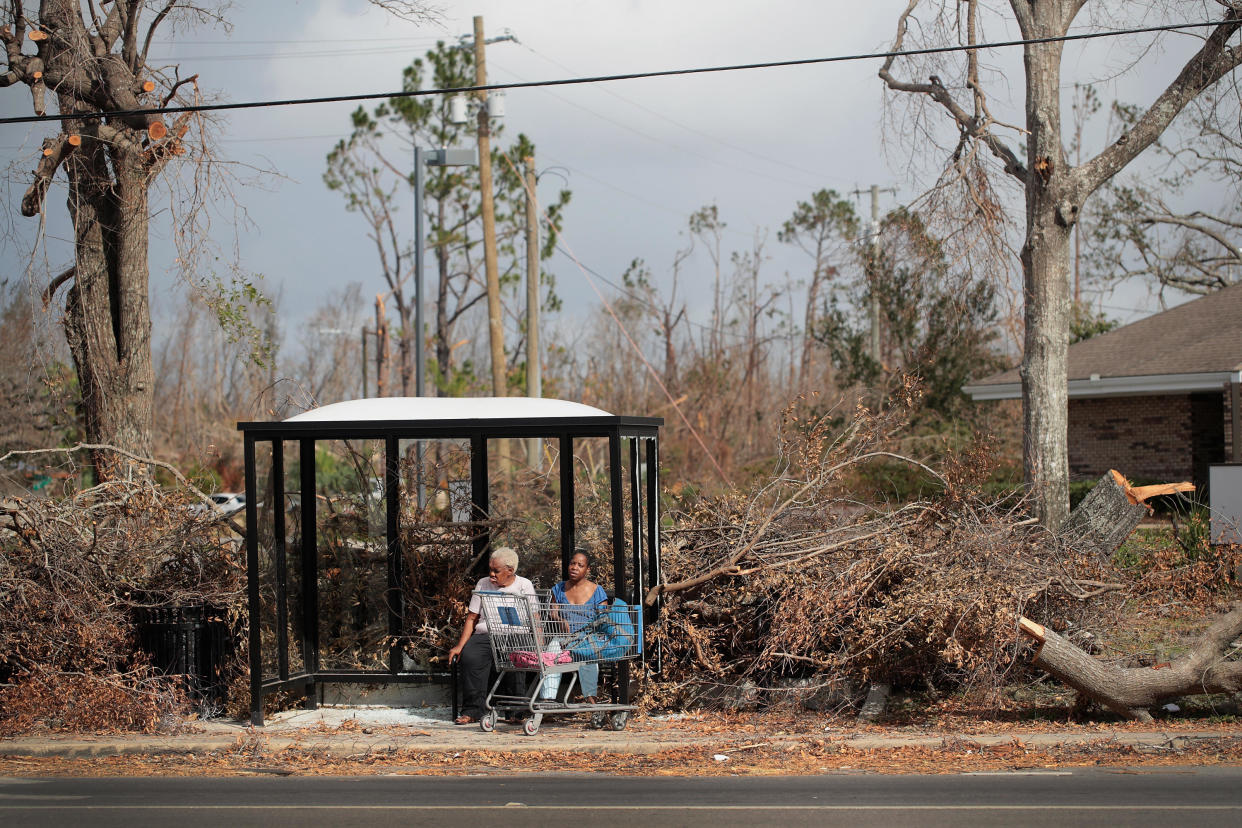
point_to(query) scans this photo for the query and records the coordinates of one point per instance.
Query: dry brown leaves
(809, 756)
(72, 572)
(805, 585)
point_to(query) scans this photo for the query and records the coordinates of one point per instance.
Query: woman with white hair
(474, 648)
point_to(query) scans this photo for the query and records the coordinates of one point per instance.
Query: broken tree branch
(1134, 691)
(54, 152)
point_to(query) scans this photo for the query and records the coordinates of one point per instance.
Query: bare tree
(91, 64)
(1054, 189)
(88, 58)
(1157, 226)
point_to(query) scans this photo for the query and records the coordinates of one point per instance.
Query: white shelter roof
(423, 409)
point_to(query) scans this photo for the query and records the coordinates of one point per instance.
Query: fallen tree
(798, 587)
(1133, 692)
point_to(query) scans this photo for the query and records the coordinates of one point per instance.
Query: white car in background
(223, 504)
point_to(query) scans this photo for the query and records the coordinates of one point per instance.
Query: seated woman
(474, 648)
(582, 599)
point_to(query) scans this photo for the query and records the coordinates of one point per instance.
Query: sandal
(465, 720)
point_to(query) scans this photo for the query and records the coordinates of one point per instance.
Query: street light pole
(422, 159)
(419, 337)
(427, 158)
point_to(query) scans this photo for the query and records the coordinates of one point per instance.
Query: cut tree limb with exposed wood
(1133, 691)
(1111, 511)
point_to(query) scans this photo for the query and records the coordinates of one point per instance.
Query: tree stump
(1104, 518)
(1111, 511)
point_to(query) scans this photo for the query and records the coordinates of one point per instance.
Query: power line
(749, 152)
(740, 67)
(628, 128)
(231, 42)
(321, 53)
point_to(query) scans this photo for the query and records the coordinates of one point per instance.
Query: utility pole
(534, 378)
(381, 347)
(364, 361)
(495, 320)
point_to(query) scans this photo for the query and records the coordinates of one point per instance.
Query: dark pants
(476, 675)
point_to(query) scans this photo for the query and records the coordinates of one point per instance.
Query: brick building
(1157, 399)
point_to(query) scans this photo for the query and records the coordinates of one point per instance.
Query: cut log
(74, 140)
(1110, 512)
(36, 35)
(1134, 691)
(157, 130)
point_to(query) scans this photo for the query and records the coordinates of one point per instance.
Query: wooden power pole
(495, 320)
(381, 347)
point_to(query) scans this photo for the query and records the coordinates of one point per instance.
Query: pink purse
(526, 660)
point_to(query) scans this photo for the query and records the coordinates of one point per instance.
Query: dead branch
(173, 470)
(54, 152)
(974, 127)
(921, 592)
(1134, 692)
(50, 291)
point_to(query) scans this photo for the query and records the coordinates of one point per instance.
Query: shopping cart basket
(535, 636)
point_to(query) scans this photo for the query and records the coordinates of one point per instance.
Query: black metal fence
(192, 641)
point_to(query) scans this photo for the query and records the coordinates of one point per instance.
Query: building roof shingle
(1200, 336)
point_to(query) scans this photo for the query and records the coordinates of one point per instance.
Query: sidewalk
(352, 731)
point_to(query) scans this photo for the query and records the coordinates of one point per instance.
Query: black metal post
(282, 569)
(310, 570)
(568, 525)
(636, 529)
(653, 535)
(396, 603)
(621, 694)
(480, 499)
(636, 521)
(252, 590)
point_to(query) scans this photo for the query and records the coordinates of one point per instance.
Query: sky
(639, 156)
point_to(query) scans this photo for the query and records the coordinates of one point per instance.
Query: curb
(350, 745)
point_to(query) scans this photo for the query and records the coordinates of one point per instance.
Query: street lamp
(427, 158)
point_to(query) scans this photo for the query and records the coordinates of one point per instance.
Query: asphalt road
(1094, 797)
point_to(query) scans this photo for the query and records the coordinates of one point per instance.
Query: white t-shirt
(520, 586)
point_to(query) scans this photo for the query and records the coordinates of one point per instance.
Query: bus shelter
(349, 506)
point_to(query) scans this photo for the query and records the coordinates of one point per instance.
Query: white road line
(1019, 773)
(87, 807)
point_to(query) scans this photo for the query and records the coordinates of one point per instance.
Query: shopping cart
(544, 640)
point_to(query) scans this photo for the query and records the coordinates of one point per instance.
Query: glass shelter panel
(285, 488)
(271, 556)
(437, 532)
(352, 554)
(525, 505)
(593, 522)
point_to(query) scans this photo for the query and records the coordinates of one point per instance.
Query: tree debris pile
(796, 587)
(72, 574)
